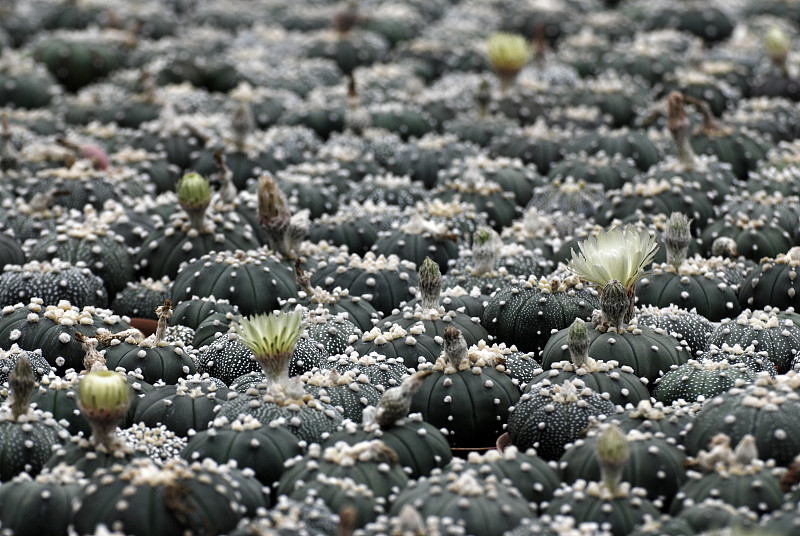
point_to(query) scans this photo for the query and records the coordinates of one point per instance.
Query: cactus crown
(677, 237)
(430, 283)
(21, 382)
(272, 338)
(241, 124)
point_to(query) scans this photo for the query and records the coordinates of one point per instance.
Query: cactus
(618, 254)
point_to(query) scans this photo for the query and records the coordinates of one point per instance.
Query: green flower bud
(194, 195)
(104, 398)
(777, 45)
(102, 393)
(193, 190)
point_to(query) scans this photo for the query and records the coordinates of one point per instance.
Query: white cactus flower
(618, 254)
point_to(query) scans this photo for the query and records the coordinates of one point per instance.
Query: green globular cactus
(619, 383)
(272, 339)
(370, 465)
(194, 196)
(27, 436)
(553, 415)
(466, 394)
(24, 501)
(177, 497)
(263, 448)
(483, 504)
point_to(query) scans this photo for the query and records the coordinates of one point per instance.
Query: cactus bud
(724, 246)
(455, 347)
(678, 124)
(612, 452)
(104, 398)
(777, 45)
(241, 124)
(677, 237)
(194, 195)
(21, 382)
(578, 342)
(614, 304)
(484, 250)
(483, 97)
(508, 54)
(273, 214)
(430, 283)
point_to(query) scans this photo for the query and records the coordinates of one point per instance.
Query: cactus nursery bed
(399, 267)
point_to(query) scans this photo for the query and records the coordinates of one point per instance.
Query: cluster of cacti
(274, 267)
